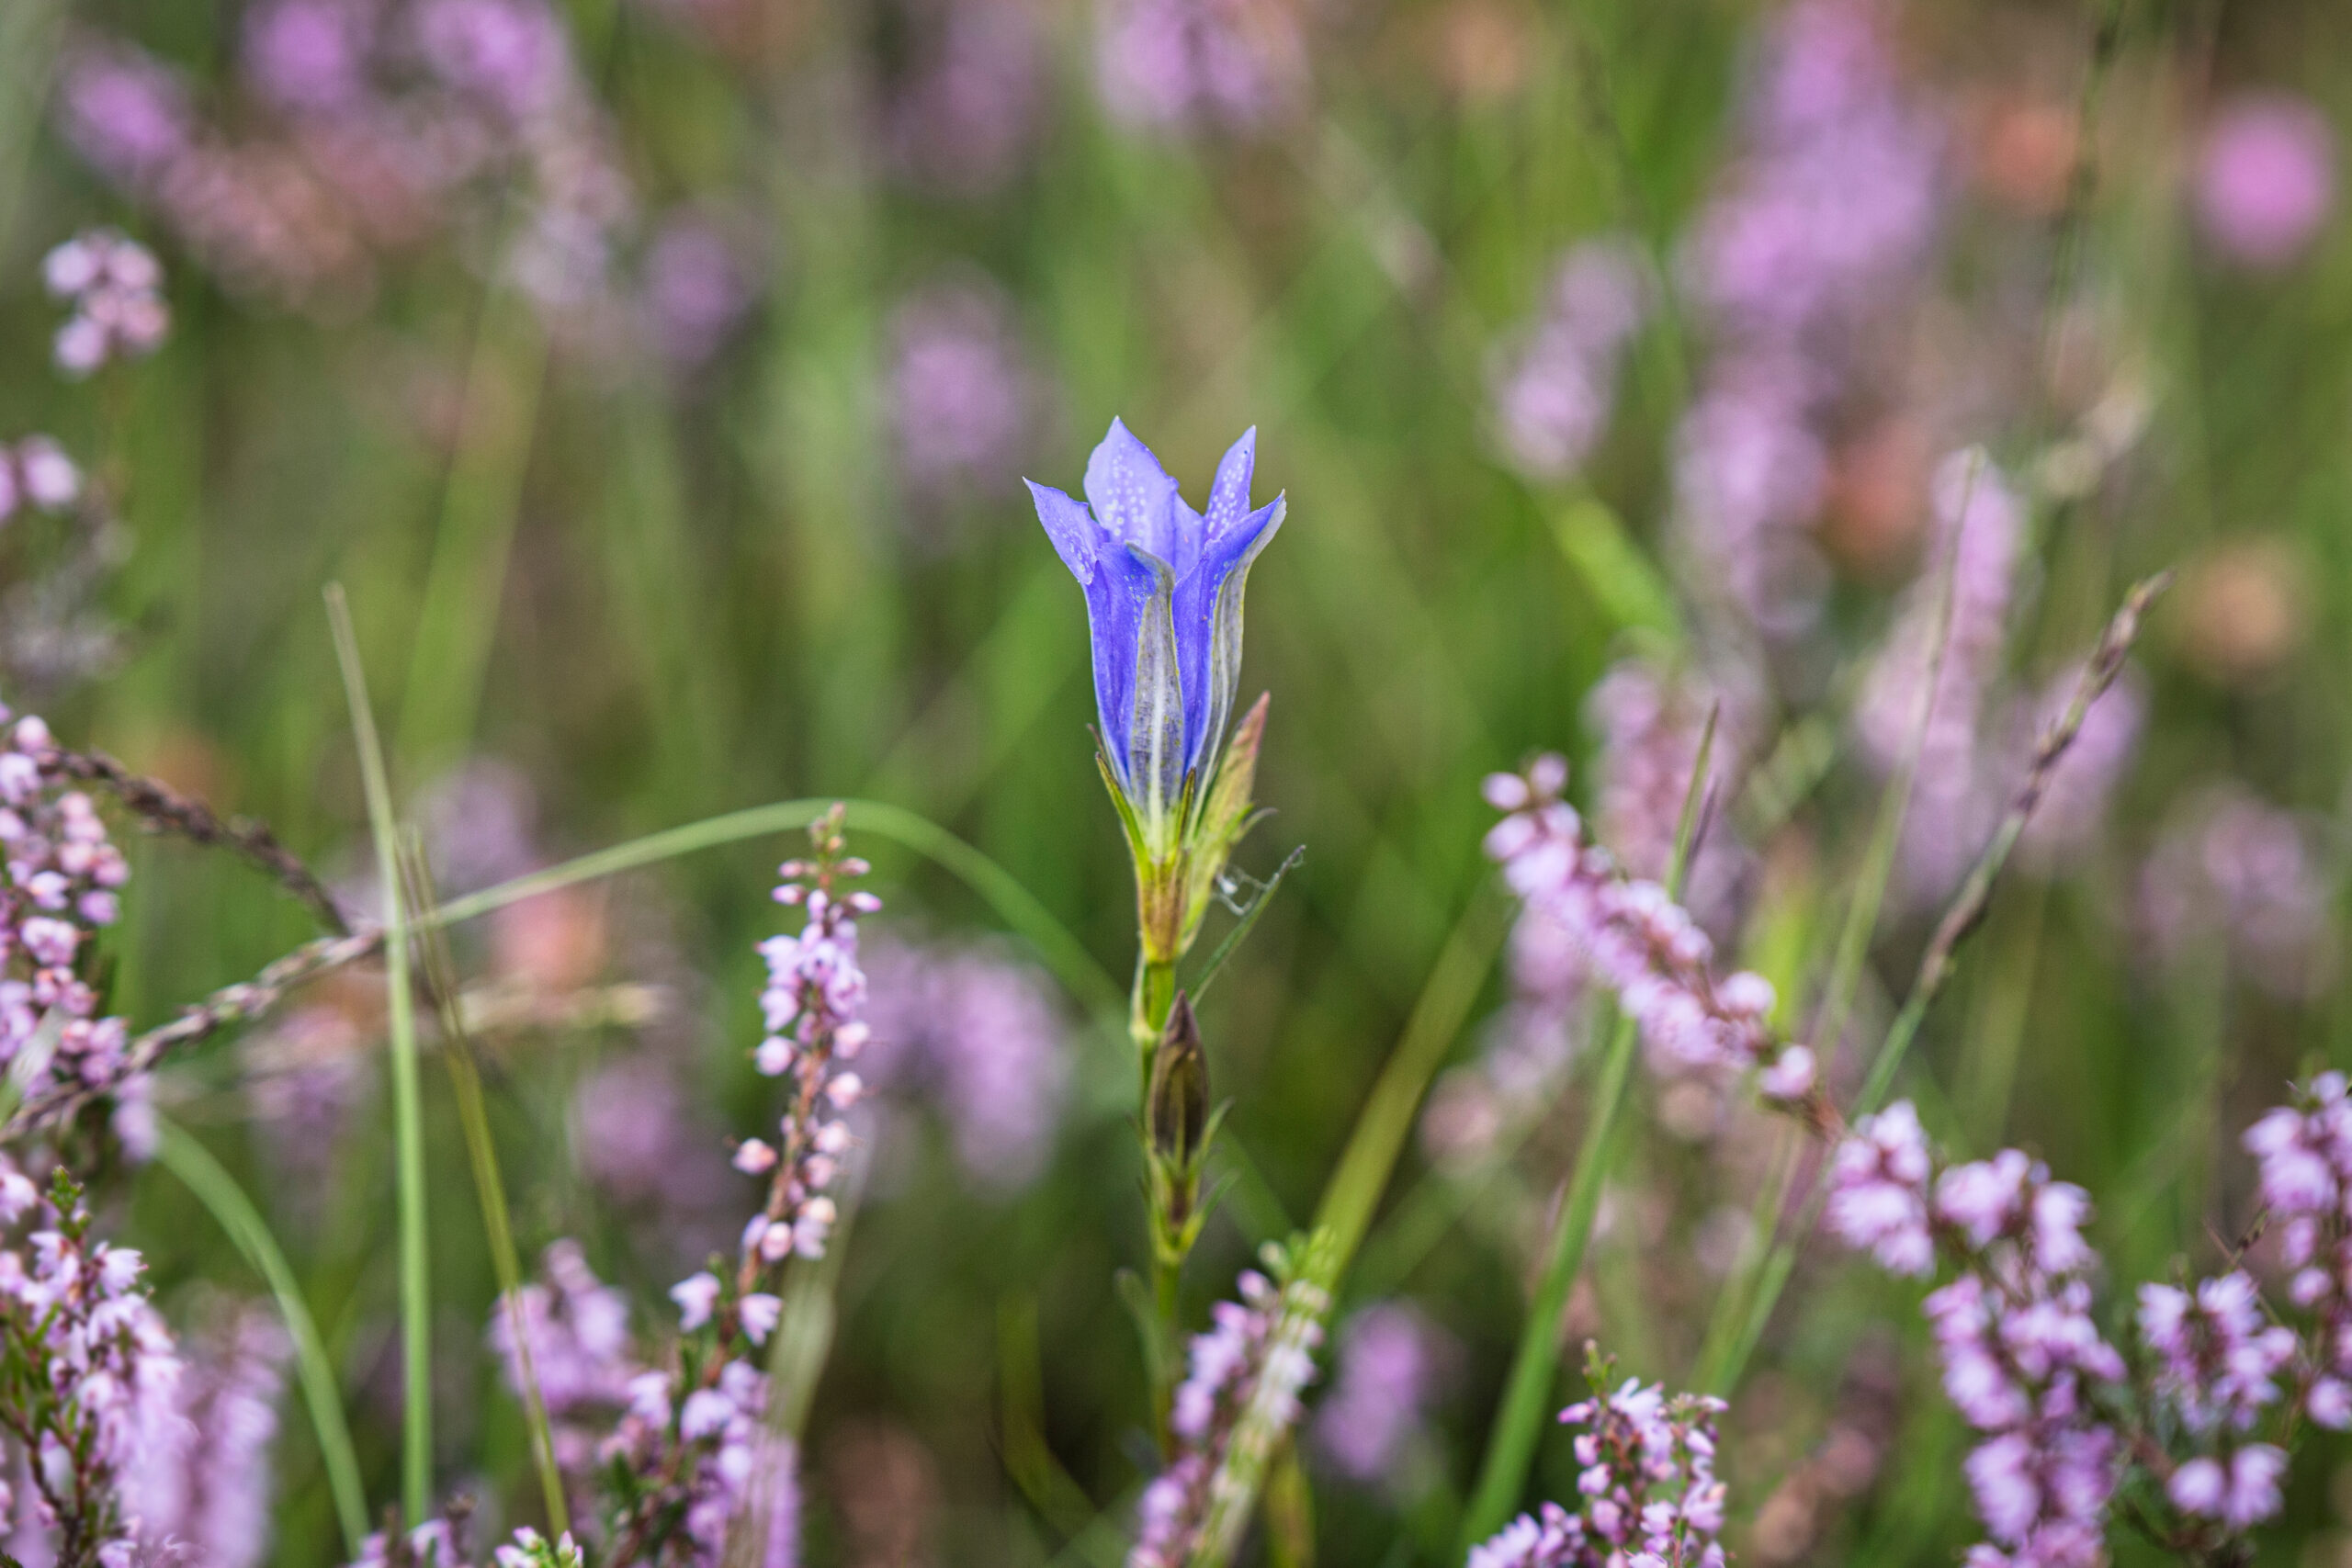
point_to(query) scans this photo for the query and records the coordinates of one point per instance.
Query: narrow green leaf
(408, 1131)
(227, 1203)
(1242, 927)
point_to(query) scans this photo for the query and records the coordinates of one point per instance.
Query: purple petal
(1135, 502)
(1069, 526)
(1229, 496)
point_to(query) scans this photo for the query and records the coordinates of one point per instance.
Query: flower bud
(1177, 1107)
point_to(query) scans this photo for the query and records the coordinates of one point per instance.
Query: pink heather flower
(1188, 65)
(2265, 179)
(698, 289)
(73, 1307)
(508, 54)
(577, 1329)
(977, 1033)
(2240, 1489)
(1241, 1390)
(1878, 1194)
(2022, 1358)
(1553, 391)
(114, 286)
(812, 1006)
(2217, 1357)
(2233, 874)
(1391, 1362)
(62, 872)
(1646, 1491)
(205, 1483)
(124, 112)
(965, 112)
(309, 56)
(964, 402)
(1824, 228)
(696, 1295)
(1634, 939)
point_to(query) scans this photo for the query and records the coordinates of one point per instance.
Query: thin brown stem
(166, 810)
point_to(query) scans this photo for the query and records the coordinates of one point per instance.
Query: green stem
(407, 1133)
(1519, 1420)
(226, 1201)
(489, 1189)
(1155, 994)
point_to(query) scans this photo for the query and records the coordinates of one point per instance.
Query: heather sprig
(88, 1371)
(1237, 1402)
(1638, 940)
(2177, 1438)
(1648, 1495)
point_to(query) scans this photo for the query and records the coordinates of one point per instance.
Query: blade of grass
(214, 1188)
(408, 1131)
(481, 1154)
(1726, 1344)
(1520, 1419)
(1062, 952)
(1019, 909)
(1963, 915)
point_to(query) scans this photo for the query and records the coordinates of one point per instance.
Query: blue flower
(1163, 602)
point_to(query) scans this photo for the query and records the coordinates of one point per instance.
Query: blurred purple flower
(2266, 178)
(510, 55)
(38, 474)
(1954, 797)
(698, 289)
(115, 287)
(205, 1483)
(2233, 872)
(1554, 391)
(309, 56)
(980, 1033)
(125, 112)
(1826, 222)
(965, 110)
(1392, 1363)
(964, 401)
(2074, 808)
(1188, 65)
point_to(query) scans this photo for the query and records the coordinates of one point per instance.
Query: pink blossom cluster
(1637, 941)
(389, 124)
(37, 473)
(115, 287)
(204, 1482)
(1647, 1496)
(708, 1457)
(977, 1033)
(2304, 1153)
(1392, 1365)
(2022, 1358)
(1554, 390)
(62, 874)
(92, 1369)
(2233, 876)
(962, 115)
(964, 399)
(1195, 65)
(435, 1544)
(813, 1007)
(2027, 1366)
(576, 1329)
(694, 1436)
(1258, 1354)
(1822, 230)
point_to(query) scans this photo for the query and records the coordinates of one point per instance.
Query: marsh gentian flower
(1163, 601)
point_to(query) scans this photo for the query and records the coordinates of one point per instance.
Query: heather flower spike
(1163, 602)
